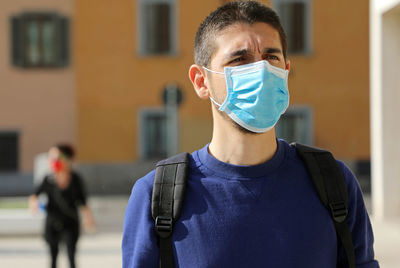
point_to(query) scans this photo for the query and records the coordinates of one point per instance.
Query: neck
(230, 145)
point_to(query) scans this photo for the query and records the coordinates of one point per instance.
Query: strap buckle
(163, 226)
(339, 211)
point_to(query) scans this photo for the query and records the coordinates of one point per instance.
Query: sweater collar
(211, 165)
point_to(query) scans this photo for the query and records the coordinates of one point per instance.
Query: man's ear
(198, 78)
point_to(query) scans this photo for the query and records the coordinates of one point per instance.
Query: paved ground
(103, 248)
(100, 250)
(387, 243)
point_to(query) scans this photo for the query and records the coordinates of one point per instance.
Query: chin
(237, 126)
(244, 130)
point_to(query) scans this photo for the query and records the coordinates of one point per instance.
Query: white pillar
(385, 107)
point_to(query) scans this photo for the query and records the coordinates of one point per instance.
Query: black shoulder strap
(331, 187)
(166, 204)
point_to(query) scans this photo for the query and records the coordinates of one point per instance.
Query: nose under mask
(257, 95)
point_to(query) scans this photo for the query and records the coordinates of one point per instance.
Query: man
(250, 201)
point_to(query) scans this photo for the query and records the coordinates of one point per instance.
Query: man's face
(240, 44)
(58, 162)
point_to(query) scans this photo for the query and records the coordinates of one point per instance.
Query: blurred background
(110, 77)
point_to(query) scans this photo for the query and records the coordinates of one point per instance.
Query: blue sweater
(267, 215)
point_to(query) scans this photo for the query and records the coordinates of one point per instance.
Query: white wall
(385, 107)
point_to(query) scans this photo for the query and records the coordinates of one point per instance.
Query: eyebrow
(242, 52)
(272, 50)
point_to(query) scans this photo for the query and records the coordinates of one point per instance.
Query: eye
(239, 59)
(271, 57)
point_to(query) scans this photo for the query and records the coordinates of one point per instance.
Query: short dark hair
(66, 149)
(228, 14)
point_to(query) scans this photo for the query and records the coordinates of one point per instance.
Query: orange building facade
(115, 80)
(117, 71)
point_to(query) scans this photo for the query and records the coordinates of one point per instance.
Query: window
(157, 27)
(296, 125)
(295, 16)
(8, 151)
(153, 133)
(40, 40)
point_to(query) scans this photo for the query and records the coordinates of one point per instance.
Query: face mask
(57, 166)
(257, 95)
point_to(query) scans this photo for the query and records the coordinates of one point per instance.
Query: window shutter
(294, 16)
(297, 15)
(156, 136)
(157, 22)
(157, 28)
(162, 31)
(63, 38)
(17, 39)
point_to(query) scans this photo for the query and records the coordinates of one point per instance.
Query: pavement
(21, 243)
(103, 248)
(99, 250)
(387, 242)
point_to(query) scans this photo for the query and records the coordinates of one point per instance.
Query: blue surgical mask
(257, 95)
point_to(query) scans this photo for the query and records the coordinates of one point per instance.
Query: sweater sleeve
(139, 242)
(360, 226)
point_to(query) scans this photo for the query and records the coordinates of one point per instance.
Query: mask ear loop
(211, 71)
(215, 102)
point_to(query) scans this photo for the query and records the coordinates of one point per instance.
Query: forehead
(255, 37)
(54, 152)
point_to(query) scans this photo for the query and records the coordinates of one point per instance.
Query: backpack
(170, 184)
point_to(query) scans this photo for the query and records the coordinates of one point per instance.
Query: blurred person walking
(65, 192)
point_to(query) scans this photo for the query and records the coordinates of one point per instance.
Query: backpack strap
(331, 187)
(166, 203)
